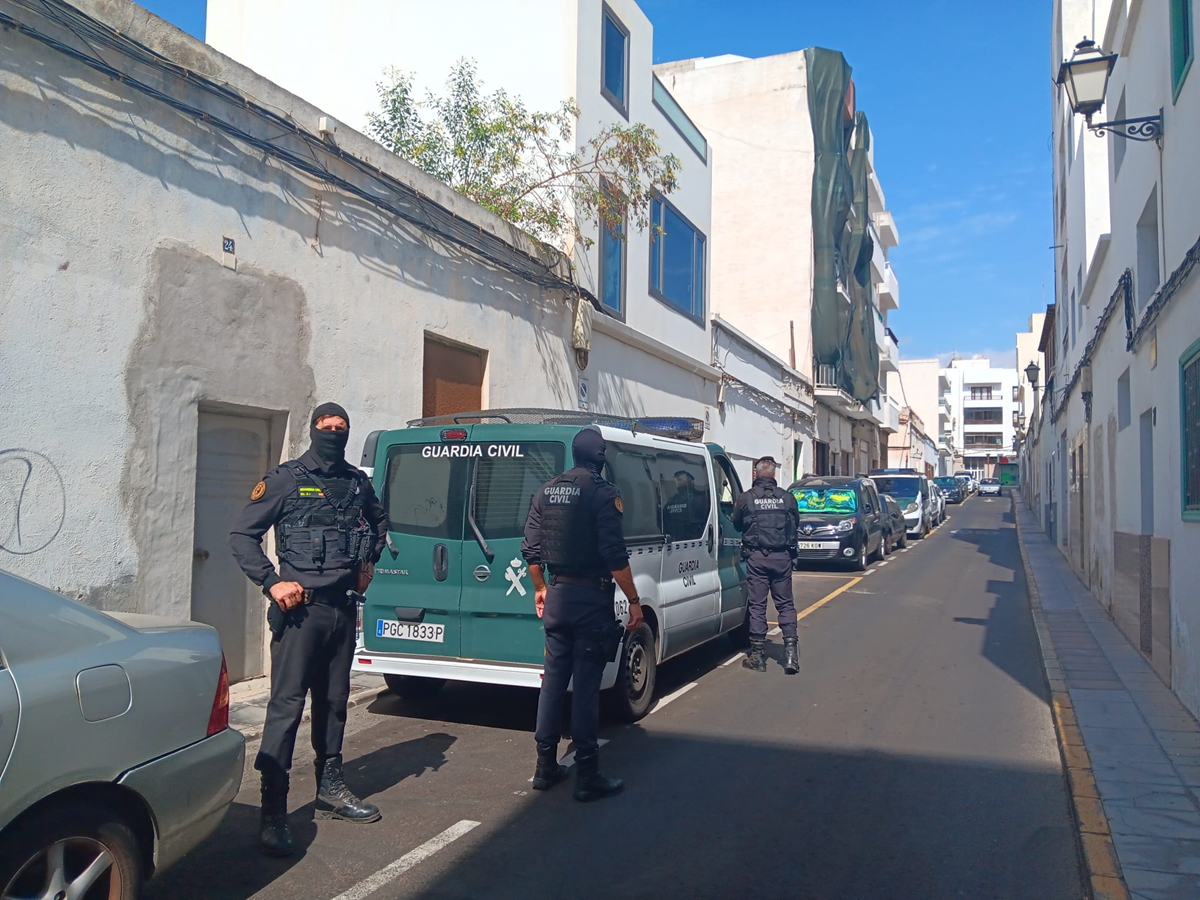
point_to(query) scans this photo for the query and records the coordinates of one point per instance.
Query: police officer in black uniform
(768, 518)
(574, 531)
(330, 529)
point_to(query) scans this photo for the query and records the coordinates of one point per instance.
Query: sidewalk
(1119, 724)
(248, 702)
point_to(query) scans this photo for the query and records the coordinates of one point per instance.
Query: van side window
(425, 495)
(683, 487)
(504, 487)
(728, 488)
(632, 469)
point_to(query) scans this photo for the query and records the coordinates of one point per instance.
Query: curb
(1096, 848)
(358, 698)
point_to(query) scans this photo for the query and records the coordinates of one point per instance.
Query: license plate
(409, 631)
(818, 545)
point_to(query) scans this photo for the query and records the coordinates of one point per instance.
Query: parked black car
(952, 487)
(896, 531)
(841, 519)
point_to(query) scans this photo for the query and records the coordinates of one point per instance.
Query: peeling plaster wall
(120, 321)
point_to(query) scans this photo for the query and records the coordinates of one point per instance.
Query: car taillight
(218, 719)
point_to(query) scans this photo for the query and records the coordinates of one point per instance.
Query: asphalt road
(913, 757)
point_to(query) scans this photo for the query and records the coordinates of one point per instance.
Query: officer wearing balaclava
(330, 529)
(574, 533)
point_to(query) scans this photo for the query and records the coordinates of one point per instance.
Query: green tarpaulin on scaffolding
(843, 333)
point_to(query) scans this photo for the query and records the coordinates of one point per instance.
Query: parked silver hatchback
(116, 756)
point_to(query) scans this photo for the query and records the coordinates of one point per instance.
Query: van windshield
(902, 487)
(825, 500)
(505, 485)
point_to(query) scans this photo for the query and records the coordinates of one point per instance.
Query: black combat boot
(589, 783)
(274, 837)
(791, 656)
(548, 772)
(756, 659)
(335, 800)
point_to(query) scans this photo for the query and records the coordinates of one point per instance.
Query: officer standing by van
(574, 531)
(769, 518)
(330, 529)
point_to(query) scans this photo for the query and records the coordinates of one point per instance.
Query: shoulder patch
(619, 505)
(259, 490)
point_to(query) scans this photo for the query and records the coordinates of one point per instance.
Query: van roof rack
(678, 427)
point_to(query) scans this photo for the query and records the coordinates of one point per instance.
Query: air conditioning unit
(1085, 380)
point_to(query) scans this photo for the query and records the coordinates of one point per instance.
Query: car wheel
(79, 851)
(413, 687)
(860, 564)
(633, 694)
(887, 545)
(879, 553)
(904, 540)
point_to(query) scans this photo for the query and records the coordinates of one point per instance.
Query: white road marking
(868, 572)
(671, 698)
(391, 872)
(774, 631)
(886, 562)
(732, 660)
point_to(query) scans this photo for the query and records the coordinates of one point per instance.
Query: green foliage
(523, 165)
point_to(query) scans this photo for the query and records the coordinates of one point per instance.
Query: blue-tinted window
(612, 267)
(615, 63)
(676, 260)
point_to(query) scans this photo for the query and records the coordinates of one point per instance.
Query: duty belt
(328, 596)
(599, 582)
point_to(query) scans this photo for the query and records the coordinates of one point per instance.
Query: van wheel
(740, 636)
(880, 551)
(860, 564)
(86, 850)
(412, 687)
(631, 697)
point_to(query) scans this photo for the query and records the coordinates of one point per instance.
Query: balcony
(889, 350)
(889, 289)
(878, 256)
(888, 414)
(886, 226)
(827, 390)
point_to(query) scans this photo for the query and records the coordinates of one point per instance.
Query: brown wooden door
(453, 379)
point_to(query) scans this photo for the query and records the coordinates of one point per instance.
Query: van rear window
(504, 487)
(426, 495)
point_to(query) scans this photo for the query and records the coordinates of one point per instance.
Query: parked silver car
(116, 756)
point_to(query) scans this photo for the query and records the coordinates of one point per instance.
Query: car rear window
(424, 494)
(504, 486)
(825, 500)
(902, 487)
(946, 481)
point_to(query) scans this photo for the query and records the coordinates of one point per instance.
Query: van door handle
(441, 562)
(709, 537)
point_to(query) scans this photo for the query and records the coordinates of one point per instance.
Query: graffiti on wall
(33, 502)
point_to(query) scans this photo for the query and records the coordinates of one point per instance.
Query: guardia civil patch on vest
(259, 490)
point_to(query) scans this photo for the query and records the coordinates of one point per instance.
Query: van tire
(625, 702)
(740, 636)
(862, 560)
(413, 687)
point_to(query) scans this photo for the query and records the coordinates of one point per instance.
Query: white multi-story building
(654, 286)
(983, 403)
(922, 386)
(1116, 443)
(756, 115)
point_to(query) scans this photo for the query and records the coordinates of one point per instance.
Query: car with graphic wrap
(842, 520)
(452, 599)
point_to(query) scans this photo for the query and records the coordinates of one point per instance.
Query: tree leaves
(524, 166)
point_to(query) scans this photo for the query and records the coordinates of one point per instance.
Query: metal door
(233, 452)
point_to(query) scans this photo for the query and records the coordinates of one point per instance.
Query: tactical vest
(771, 525)
(570, 540)
(322, 527)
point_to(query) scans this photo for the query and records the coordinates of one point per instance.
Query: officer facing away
(768, 518)
(574, 530)
(329, 531)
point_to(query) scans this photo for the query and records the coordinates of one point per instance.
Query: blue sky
(958, 95)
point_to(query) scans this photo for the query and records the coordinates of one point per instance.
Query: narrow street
(914, 756)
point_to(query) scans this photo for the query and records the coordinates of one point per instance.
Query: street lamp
(1031, 375)
(1085, 77)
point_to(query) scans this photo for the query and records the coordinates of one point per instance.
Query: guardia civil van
(452, 598)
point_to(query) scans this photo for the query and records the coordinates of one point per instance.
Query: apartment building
(983, 402)
(1117, 436)
(797, 295)
(922, 386)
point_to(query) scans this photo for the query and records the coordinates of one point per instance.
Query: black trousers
(313, 653)
(580, 624)
(770, 571)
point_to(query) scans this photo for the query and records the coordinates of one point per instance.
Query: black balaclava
(588, 449)
(329, 447)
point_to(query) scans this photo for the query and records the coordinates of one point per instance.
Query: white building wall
(963, 375)
(1107, 523)
(115, 343)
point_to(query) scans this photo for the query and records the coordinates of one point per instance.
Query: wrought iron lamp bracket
(1144, 128)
